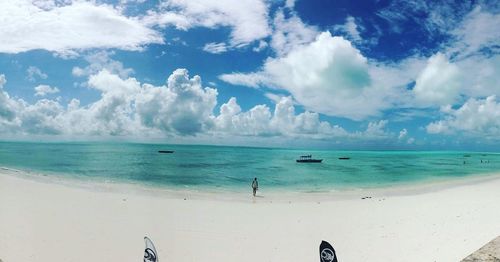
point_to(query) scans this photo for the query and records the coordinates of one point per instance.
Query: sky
(401, 74)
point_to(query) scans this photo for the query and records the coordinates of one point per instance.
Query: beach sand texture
(46, 221)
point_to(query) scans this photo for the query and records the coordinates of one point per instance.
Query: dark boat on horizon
(344, 158)
(308, 159)
(165, 151)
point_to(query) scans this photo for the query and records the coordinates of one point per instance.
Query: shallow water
(233, 168)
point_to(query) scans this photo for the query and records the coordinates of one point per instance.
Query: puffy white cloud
(328, 76)
(41, 117)
(403, 136)
(125, 108)
(34, 73)
(376, 129)
(247, 19)
(477, 117)
(43, 90)
(438, 83)
(8, 106)
(260, 121)
(67, 27)
(181, 107)
(215, 48)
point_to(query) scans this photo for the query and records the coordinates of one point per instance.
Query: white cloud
(9, 122)
(7, 105)
(376, 129)
(403, 136)
(350, 28)
(328, 76)
(34, 73)
(403, 133)
(181, 107)
(480, 75)
(215, 48)
(290, 3)
(250, 79)
(247, 19)
(274, 97)
(478, 30)
(260, 121)
(261, 46)
(290, 33)
(439, 82)
(434, 17)
(43, 90)
(101, 60)
(65, 28)
(477, 117)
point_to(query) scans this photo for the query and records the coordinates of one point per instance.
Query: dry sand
(46, 220)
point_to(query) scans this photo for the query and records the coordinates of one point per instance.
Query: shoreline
(41, 220)
(271, 194)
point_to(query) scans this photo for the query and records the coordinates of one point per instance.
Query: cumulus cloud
(34, 73)
(125, 108)
(328, 76)
(68, 27)
(283, 121)
(180, 108)
(9, 107)
(247, 19)
(43, 90)
(439, 82)
(476, 117)
(376, 129)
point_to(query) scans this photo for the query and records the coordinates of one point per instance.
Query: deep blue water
(233, 168)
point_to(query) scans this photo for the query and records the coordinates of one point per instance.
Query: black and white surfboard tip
(150, 254)
(326, 252)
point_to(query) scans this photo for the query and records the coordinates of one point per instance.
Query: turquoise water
(233, 168)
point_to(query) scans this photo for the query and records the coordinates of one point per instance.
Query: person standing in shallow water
(255, 186)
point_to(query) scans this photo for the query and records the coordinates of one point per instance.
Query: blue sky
(330, 74)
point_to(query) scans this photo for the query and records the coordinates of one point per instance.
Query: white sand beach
(46, 220)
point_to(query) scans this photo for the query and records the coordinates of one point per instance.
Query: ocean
(233, 168)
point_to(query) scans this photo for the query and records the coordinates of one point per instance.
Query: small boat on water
(308, 159)
(344, 158)
(165, 151)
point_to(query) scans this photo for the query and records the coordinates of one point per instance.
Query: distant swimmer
(255, 186)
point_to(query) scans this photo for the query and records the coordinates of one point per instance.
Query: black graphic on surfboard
(326, 252)
(150, 251)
